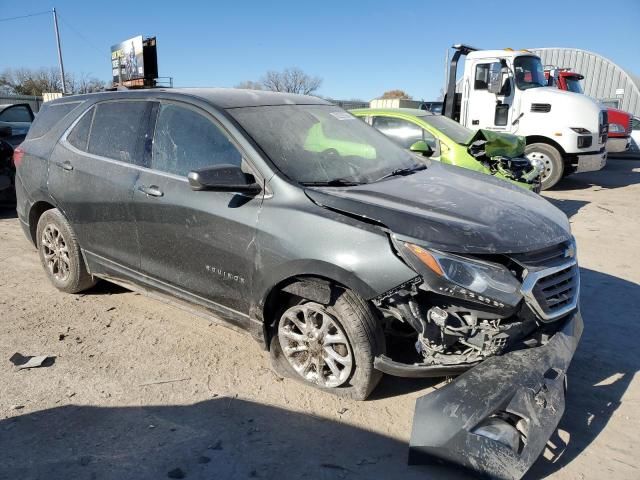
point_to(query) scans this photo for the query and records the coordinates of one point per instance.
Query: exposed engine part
(448, 334)
(521, 169)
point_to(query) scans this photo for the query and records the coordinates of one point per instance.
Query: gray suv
(341, 253)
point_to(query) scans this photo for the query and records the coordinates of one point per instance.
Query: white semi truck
(506, 91)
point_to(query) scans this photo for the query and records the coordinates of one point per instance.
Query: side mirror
(422, 147)
(494, 84)
(223, 178)
(6, 131)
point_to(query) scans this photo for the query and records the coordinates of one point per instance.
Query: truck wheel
(553, 166)
(60, 254)
(330, 346)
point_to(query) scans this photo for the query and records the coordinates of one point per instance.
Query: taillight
(18, 153)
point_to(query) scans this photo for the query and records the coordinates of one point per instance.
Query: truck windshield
(450, 128)
(529, 72)
(573, 84)
(323, 144)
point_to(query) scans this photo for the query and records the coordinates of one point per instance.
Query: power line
(48, 12)
(74, 30)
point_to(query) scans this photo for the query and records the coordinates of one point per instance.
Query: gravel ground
(101, 412)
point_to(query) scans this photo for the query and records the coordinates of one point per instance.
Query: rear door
(92, 173)
(198, 243)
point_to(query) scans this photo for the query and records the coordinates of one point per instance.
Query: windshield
(573, 84)
(529, 72)
(322, 143)
(448, 127)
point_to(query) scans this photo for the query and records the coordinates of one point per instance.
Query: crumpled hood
(453, 209)
(498, 144)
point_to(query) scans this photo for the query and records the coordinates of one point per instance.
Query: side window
(401, 131)
(635, 124)
(79, 136)
(481, 81)
(116, 129)
(48, 116)
(185, 140)
(17, 113)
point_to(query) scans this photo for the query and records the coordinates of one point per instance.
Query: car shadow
(7, 212)
(603, 367)
(391, 386)
(219, 438)
(104, 287)
(617, 173)
(569, 207)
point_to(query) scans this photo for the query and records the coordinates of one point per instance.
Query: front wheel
(331, 347)
(551, 160)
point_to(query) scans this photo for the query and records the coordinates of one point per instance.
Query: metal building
(603, 79)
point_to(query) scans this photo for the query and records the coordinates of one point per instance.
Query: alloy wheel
(55, 252)
(315, 345)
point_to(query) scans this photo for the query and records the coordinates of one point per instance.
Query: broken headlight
(484, 282)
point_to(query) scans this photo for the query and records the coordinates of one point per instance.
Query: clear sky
(359, 48)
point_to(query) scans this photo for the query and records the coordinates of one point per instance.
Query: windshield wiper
(336, 182)
(403, 171)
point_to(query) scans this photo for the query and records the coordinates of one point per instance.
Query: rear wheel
(551, 160)
(331, 347)
(60, 253)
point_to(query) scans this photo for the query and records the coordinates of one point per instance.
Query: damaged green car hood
(499, 144)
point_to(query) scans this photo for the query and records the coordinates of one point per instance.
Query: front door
(197, 244)
(91, 176)
(486, 109)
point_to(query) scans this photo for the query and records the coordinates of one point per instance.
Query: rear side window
(48, 116)
(185, 140)
(116, 129)
(17, 113)
(79, 135)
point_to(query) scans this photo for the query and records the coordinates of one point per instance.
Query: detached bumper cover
(529, 384)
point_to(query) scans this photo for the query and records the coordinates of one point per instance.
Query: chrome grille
(558, 290)
(551, 283)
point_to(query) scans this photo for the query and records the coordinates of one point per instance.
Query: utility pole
(55, 24)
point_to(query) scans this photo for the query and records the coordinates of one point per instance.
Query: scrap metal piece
(23, 362)
(523, 389)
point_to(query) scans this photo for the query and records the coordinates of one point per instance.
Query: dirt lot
(99, 412)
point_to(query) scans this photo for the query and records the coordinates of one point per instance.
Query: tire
(552, 160)
(60, 253)
(347, 313)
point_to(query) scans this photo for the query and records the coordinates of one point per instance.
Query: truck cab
(506, 91)
(619, 135)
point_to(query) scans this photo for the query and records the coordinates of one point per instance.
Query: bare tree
(24, 81)
(291, 80)
(250, 85)
(396, 94)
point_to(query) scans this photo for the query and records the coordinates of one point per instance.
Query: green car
(443, 139)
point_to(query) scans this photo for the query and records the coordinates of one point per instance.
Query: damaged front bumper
(522, 390)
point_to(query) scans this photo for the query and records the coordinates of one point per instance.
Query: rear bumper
(618, 145)
(529, 384)
(592, 161)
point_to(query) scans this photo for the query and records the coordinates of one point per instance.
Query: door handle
(66, 165)
(151, 190)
